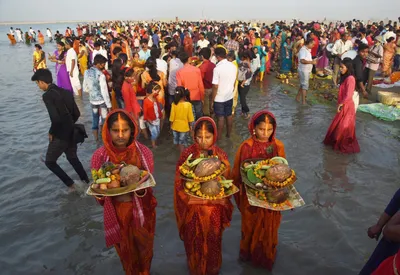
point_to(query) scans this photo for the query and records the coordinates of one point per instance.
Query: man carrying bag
(63, 133)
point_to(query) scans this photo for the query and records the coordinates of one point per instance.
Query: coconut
(279, 172)
(129, 175)
(210, 188)
(207, 167)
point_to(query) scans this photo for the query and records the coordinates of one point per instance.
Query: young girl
(181, 118)
(129, 220)
(152, 113)
(129, 95)
(259, 225)
(202, 222)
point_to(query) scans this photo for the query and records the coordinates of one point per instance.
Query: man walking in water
(49, 35)
(63, 113)
(71, 62)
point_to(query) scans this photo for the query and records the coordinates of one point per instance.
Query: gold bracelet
(141, 196)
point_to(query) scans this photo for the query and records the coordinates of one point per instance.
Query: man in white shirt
(11, 31)
(305, 68)
(98, 49)
(71, 62)
(339, 48)
(202, 43)
(95, 84)
(162, 65)
(49, 35)
(224, 79)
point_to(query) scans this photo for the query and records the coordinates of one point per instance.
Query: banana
(195, 162)
(104, 180)
(195, 188)
(189, 185)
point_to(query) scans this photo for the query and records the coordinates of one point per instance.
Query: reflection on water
(46, 231)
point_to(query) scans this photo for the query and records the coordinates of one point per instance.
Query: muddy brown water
(46, 231)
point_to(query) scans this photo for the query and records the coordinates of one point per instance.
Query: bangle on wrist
(141, 196)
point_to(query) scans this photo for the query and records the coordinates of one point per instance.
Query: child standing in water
(152, 112)
(201, 223)
(181, 118)
(259, 225)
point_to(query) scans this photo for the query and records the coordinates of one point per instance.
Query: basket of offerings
(204, 178)
(202, 169)
(269, 181)
(115, 180)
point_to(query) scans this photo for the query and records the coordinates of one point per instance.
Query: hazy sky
(87, 10)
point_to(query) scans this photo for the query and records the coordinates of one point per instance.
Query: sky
(81, 10)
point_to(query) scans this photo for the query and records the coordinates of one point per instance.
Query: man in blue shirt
(144, 53)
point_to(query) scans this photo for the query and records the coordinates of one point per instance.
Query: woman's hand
(339, 108)
(374, 231)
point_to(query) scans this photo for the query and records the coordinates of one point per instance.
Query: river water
(44, 230)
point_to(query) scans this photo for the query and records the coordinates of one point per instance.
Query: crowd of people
(141, 77)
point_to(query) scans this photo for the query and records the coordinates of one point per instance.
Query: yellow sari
(83, 60)
(39, 60)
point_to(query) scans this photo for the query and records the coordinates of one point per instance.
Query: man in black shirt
(63, 113)
(359, 69)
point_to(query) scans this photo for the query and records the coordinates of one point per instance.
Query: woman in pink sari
(342, 132)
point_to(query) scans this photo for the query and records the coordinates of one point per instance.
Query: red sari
(259, 225)
(188, 45)
(201, 222)
(390, 266)
(341, 134)
(129, 226)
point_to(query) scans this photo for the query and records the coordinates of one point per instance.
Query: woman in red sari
(259, 225)
(202, 222)
(129, 220)
(341, 134)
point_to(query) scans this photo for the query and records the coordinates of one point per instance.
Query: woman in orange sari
(389, 50)
(129, 220)
(153, 75)
(259, 225)
(188, 44)
(202, 222)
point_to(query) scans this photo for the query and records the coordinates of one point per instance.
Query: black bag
(79, 134)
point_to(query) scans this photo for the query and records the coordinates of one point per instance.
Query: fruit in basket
(252, 177)
(279, 173)
(210, 188)
(114, 184)
(207, 167)
(280, 160)
(129, 174)
(103, 186)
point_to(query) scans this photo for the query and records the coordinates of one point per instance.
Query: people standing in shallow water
(63, 113)
(59, 57)
(259, 225)
(129, 220)
(39, 58)
(201, 222)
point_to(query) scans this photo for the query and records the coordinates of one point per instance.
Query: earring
(254, 132)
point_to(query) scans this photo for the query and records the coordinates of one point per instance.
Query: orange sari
(201, 222)
(130, 225)
(146, 78)
(259, 225)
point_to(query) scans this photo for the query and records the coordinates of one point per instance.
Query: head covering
(132, 154)
(209, 119)
(254, 117)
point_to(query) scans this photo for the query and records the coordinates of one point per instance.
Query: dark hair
(187, 95)
(208, 125)
(123, 57)
(309, 41)
(262, 118)
(117, 74)
(99, 59)
(38, 46)
(117, 50)
(220, 52)
(205, 53)
(114, 117)
(97, 44)
(362, 47)
(150, 87)
(390, 39)
(144, 41)
(129, 72)
(184, 57)
(233, 35)
(180, 92)
(155, 53)
(231, 54)
(350, 69)
(62, 54)
(151, 64)
(43, 75)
